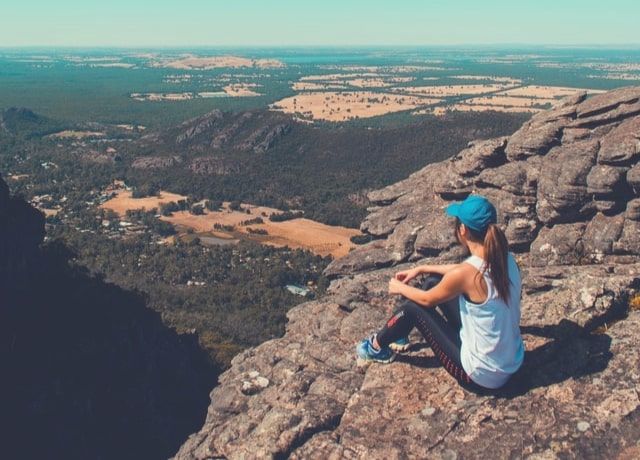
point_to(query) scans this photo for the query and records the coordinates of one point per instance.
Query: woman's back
(492, 347)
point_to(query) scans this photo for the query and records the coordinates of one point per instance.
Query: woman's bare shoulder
(462, 272)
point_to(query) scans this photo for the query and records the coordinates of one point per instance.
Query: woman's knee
(411, 309)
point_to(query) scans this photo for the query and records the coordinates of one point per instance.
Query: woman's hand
(396, 286)
(407, 275)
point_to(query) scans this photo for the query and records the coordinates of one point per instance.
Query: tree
(167, 209)
(213, 205)
(144, 190)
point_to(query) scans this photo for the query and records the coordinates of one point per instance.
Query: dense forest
(258, 157)
(233, 297)
(266, 158)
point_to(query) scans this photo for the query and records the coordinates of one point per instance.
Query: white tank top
(492, 347)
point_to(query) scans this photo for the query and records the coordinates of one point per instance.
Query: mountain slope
(568, 191)
(268, 158)
(87, 370)
(20, 121)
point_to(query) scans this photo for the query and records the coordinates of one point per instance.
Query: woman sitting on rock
(477, 335)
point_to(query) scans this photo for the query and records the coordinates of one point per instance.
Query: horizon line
(293, 46)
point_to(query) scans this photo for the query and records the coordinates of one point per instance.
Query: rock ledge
(568, 192)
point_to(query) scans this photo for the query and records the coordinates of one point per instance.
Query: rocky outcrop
(270, 138)
(257, 140)
(554, 180)
(214, 166)
(155, 162)
(252, 131)
(566, 189)
(193, 128)
(226, 135)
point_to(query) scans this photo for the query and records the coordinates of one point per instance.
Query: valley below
(185, 213)
(247, 221)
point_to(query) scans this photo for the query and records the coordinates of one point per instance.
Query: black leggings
(441, 331)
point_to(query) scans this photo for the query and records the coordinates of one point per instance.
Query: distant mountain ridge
(14, 115)
(20, 120)
(269, 158)
(567, 189)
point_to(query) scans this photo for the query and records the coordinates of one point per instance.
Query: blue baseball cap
(476, 212)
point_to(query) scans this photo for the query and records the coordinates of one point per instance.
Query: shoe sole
(400, 348)
(363, 362)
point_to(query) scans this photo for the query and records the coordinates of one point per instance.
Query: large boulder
(607, 102)
(600, 234)
(479, 156)
(533, 139)
(622, 144)
(510, 177)
(633, 179)
(562, 186)
(605, 180)
(558, 245)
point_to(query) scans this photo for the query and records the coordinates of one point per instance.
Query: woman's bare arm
(452, 284)
(437, 269)
(407, 275)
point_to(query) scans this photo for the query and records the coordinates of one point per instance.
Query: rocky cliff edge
(567, 185)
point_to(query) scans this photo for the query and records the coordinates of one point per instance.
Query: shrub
(361, 239)
(287, 215)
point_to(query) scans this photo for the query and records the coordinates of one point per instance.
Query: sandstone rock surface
(566, 188)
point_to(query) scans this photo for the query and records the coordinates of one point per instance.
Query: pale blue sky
(136, 23)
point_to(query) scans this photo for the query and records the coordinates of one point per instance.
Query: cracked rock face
(566, 186)
(536, 180)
